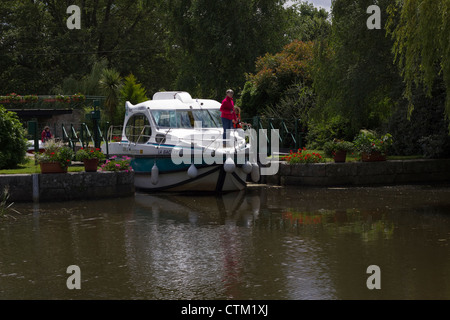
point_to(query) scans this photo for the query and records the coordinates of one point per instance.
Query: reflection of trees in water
(48, 237)
(369, 225)
(269, 243)
(404, 230)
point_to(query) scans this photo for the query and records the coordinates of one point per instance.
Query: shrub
(368, 141)
(331, 147)
(303, 156)
(117, 164)
(435, 146)
(425, 126)
(320, 132)
(89, 153)
(78, 97)
(13, 142)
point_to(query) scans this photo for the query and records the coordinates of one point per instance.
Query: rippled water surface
(264, 243)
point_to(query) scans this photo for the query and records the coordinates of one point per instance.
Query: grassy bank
(30, 167)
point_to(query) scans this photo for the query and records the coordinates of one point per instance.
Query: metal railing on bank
(291, 133)
(80, 135)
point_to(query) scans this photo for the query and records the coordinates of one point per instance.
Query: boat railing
(142, 134)
(115, 134)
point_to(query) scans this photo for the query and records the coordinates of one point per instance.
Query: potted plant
(14, 98)
(78, 97)
(63, 98)
(30, 98)
(371, 146)
(55, 158)
(90, 157)
(337, 149)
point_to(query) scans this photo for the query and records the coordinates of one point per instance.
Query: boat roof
(170, 100)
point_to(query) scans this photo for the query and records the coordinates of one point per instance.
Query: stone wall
(69, 186)
(363, 173)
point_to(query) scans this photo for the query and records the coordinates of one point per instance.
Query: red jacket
(227, 109)
(45, 136)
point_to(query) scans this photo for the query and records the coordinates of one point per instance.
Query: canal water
(262, 243)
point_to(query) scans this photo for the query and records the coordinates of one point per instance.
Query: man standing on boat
(228, 114)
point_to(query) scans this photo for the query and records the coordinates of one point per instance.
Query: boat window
(165, 118)
(138, 128)
(185, 119)
(205, 117)
(215, 116)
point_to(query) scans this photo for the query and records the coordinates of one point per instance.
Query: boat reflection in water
(192, 247)
(211, 209)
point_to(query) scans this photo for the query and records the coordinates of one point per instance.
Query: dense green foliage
(111, 83)
(217, 42)
(275, 73)
(421, 30)
(325, 72)
(13, 143)
(132, 91)
(306, 22)
(355, 76)
(200, 46)
(38, 51)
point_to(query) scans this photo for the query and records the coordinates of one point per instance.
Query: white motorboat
(176, 143)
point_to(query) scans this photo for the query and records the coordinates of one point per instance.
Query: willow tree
(421, 33)
(354, 76)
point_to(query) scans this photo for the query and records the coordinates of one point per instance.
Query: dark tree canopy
(217, 42)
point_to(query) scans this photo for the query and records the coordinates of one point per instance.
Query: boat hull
(211, 178)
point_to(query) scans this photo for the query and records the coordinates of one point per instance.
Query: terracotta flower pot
(52, 167)
(90, 165)
(340, 156)
(374, 156)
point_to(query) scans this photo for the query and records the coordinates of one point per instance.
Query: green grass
(30, 167)
(357, 158)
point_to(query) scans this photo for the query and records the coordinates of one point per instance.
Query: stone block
(309, 170)
(379, 168)
(418, 166)
(285, 169)
(440, 165)
(20, 187)
(125, 178)
(341, 169)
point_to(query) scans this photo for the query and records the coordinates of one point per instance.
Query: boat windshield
(185, 119)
